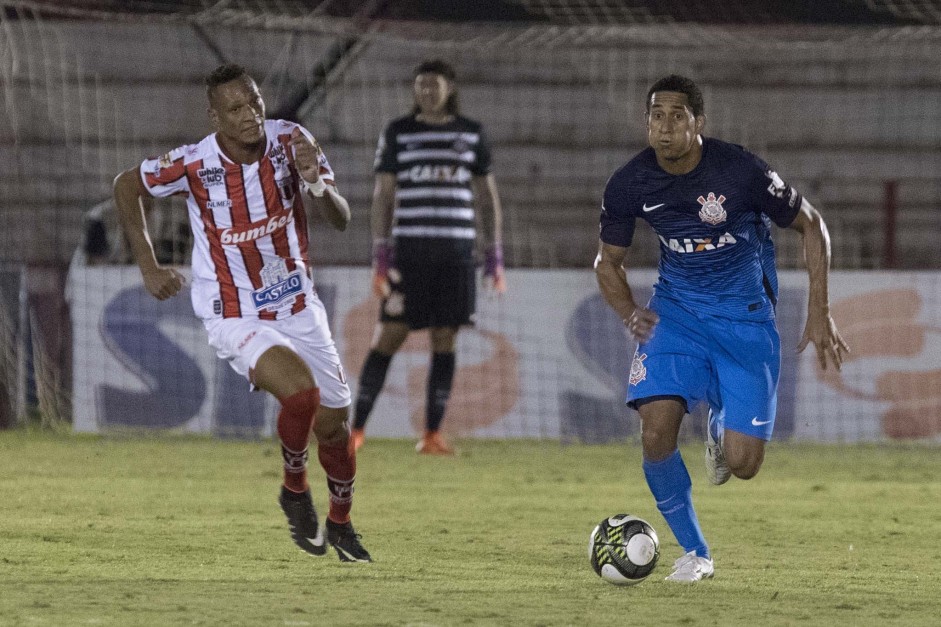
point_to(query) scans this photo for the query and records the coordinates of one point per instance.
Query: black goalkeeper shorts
(431, 294)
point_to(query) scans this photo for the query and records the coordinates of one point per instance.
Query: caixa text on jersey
(697, 244)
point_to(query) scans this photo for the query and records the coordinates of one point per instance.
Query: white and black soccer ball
(623, 549)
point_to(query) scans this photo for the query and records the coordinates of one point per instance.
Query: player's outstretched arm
(612, 280)
(488, 207)
(331, 205)
(820, 328)
(161, 282)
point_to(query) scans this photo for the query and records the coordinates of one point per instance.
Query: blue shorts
(731, 364)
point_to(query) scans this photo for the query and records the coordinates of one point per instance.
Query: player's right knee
(744, 462)
(745, 472)
(282, 372)
(743, 453)
(303, 403)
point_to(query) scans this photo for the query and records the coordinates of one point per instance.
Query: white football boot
(691, 568)
(717, 469)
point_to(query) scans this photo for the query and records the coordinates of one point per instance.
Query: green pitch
(171, 531)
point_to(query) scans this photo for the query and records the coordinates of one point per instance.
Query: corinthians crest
(712, 211)
(638, 371)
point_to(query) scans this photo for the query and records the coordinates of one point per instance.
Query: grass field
(174, 530)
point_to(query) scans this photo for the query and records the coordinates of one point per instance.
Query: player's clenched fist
(306, 155)
(640, 324)
(162, 283)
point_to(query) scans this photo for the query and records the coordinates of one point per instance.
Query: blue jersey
(714, 225)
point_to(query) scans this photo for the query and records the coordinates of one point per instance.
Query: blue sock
(671, 487)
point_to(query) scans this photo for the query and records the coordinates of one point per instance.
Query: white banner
(548, 359)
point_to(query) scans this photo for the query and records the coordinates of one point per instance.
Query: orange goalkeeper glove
(383, 255)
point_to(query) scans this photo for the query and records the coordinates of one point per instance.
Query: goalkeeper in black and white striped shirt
(433, 186)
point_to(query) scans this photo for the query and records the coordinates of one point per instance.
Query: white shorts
(241, 341)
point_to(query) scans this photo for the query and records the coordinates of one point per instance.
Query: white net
(840, 111)
(918, 11)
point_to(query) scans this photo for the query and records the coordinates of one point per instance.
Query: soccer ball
(623, 549)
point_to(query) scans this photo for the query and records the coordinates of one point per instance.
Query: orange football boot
(358, 437)
(433, 443)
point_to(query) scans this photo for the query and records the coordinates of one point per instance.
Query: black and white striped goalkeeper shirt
(434, 165)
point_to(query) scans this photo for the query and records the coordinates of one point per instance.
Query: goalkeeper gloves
(382, 261)
(493, 268)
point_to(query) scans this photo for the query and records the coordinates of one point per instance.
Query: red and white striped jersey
(249, 225)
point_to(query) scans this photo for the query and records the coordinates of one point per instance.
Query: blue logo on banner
(596, 335)
(176, 386)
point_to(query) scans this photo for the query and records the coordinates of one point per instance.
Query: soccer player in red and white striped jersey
(246, 187)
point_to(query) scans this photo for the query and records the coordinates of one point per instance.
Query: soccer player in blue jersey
(708, 333)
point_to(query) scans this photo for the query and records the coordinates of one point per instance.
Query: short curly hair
(224, 74)
(683, 85)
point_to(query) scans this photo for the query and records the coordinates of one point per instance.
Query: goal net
(851, 115)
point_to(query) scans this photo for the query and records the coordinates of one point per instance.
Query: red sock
(294, 424)
(339, 462)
